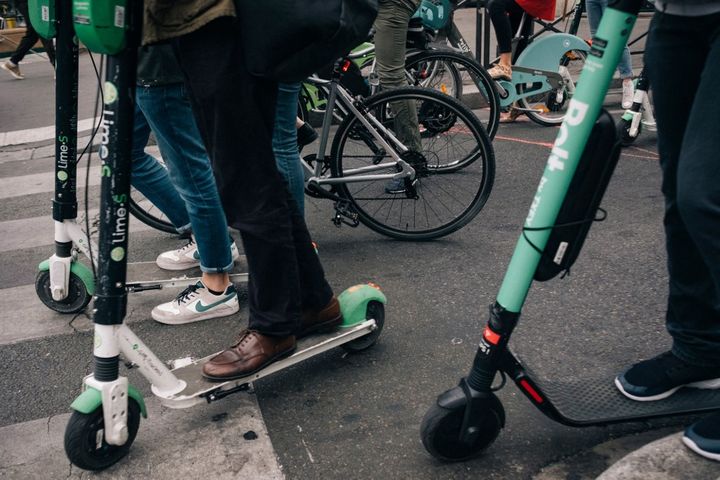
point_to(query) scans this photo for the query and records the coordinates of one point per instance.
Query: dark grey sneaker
(662, 376)
(703, 437)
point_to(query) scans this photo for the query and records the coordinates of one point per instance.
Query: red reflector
(346, 66)
(491, 336)
(529, 389)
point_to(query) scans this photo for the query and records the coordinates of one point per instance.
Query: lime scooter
(106, 415)
(465, 420)
(639, 115)
(63, 283)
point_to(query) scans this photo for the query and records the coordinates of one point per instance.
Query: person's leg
(390, 37)
(683, 66)
(285, 272)
(150, 178)
(285, 142)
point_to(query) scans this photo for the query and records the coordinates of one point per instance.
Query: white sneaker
(187, 256)
(628, 92)
(13, 69)
(197, 303)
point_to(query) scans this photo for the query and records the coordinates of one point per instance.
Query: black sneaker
(662, 376)
(703, 437)
(306, 134)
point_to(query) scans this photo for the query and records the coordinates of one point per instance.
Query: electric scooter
(639, 115)
(465, 420)
(106, 415)
(63, 283)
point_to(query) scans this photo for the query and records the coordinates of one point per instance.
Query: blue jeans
(595, 9)
(186, 191)
(284, 142)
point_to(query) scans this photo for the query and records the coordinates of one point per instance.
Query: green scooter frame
(465, 420)
(106, 415)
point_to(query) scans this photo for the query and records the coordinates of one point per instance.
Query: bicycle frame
(338, 95)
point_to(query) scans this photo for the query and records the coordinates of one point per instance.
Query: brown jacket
(167, 19)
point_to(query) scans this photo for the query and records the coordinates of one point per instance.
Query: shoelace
(190, 245)
(187, 294)
(244, 337)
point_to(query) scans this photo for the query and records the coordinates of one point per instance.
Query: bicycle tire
(459, 192)
(463, 72)
(544, 109)
(143, 212)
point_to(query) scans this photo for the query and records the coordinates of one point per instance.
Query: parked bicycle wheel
(548, 108)
(454, 170)
(144, 210)
(459, 76)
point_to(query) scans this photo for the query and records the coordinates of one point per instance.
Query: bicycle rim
(455, 167)
(549, 108)
(460, 77)
(144, 210)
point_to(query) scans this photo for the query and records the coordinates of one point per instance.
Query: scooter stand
(199, 389)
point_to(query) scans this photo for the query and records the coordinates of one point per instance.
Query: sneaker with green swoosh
(197, 303)
(187, 256)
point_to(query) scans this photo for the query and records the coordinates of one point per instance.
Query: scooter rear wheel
(77, 299)
(376, 311)
(85, 443)
(440, 432)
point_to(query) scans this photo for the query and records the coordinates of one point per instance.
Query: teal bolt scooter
(466, 420)
(63, 283)
(106, 415)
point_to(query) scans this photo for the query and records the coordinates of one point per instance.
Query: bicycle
(444, 186)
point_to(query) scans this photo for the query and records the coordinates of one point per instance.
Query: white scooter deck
(159, 278)
(198, 389)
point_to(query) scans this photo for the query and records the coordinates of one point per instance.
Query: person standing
(682, 61)
(288, 295)
(26, 43)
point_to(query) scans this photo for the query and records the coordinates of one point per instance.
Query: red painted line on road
(519, 140)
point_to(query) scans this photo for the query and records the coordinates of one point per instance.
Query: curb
(664, 459)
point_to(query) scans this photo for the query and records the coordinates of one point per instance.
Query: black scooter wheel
(375, 310)
(85, 443)
(440, 432)
(623, 132)
(77, 299)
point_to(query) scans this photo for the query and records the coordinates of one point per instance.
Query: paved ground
(338, 415)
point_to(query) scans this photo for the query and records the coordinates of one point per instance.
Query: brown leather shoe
(252, 352)
(319, 321)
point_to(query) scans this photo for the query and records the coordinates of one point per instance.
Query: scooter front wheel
(441, 432)
(77, 298)
(85, 443)
(623, 131)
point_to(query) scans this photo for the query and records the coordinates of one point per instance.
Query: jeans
(391, 27)
(284, 142)
(186, 191)
(595, 9)
(235, 112)
(682, 61)
(506, 16)
(30, 38)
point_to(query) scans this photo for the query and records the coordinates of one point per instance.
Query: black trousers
(505, 16)
(682, 61)
(235, 115)
(31, 37)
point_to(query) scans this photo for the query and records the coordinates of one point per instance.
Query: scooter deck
(199, 389)
(597, 401)
(157, 278)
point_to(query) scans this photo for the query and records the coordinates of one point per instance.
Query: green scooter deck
(198, 389)
(586, 402)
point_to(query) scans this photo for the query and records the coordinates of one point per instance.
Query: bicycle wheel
(548, 108)
(458, 76)
(144, 210)
(454, 169)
